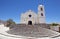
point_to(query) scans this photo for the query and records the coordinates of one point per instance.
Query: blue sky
(13, 8)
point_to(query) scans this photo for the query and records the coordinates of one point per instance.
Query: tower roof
(40, 5)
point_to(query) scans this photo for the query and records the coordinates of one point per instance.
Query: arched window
(41, 9)
(41, 14)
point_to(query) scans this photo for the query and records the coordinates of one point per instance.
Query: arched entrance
(29, 22)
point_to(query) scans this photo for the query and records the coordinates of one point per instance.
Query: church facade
(30, 17)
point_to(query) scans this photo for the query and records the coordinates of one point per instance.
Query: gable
(29, 13)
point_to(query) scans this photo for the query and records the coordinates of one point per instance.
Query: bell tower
(41, 14)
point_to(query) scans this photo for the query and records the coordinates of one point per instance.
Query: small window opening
(30, 15)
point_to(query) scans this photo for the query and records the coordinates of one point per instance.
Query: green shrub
(54, 24)
(10, 22)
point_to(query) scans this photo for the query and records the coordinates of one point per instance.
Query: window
(30, 15)
(41, 14)
(41, 9)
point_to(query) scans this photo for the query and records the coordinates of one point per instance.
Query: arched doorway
(29, 22)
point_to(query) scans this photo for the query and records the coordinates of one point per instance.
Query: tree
(10, 22)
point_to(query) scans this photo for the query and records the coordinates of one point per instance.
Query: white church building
(31, 18)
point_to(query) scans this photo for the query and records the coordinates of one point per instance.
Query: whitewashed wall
(25, 17)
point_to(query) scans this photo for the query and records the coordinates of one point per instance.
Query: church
(31, 18)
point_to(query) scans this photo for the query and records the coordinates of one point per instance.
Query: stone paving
(31, 31)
